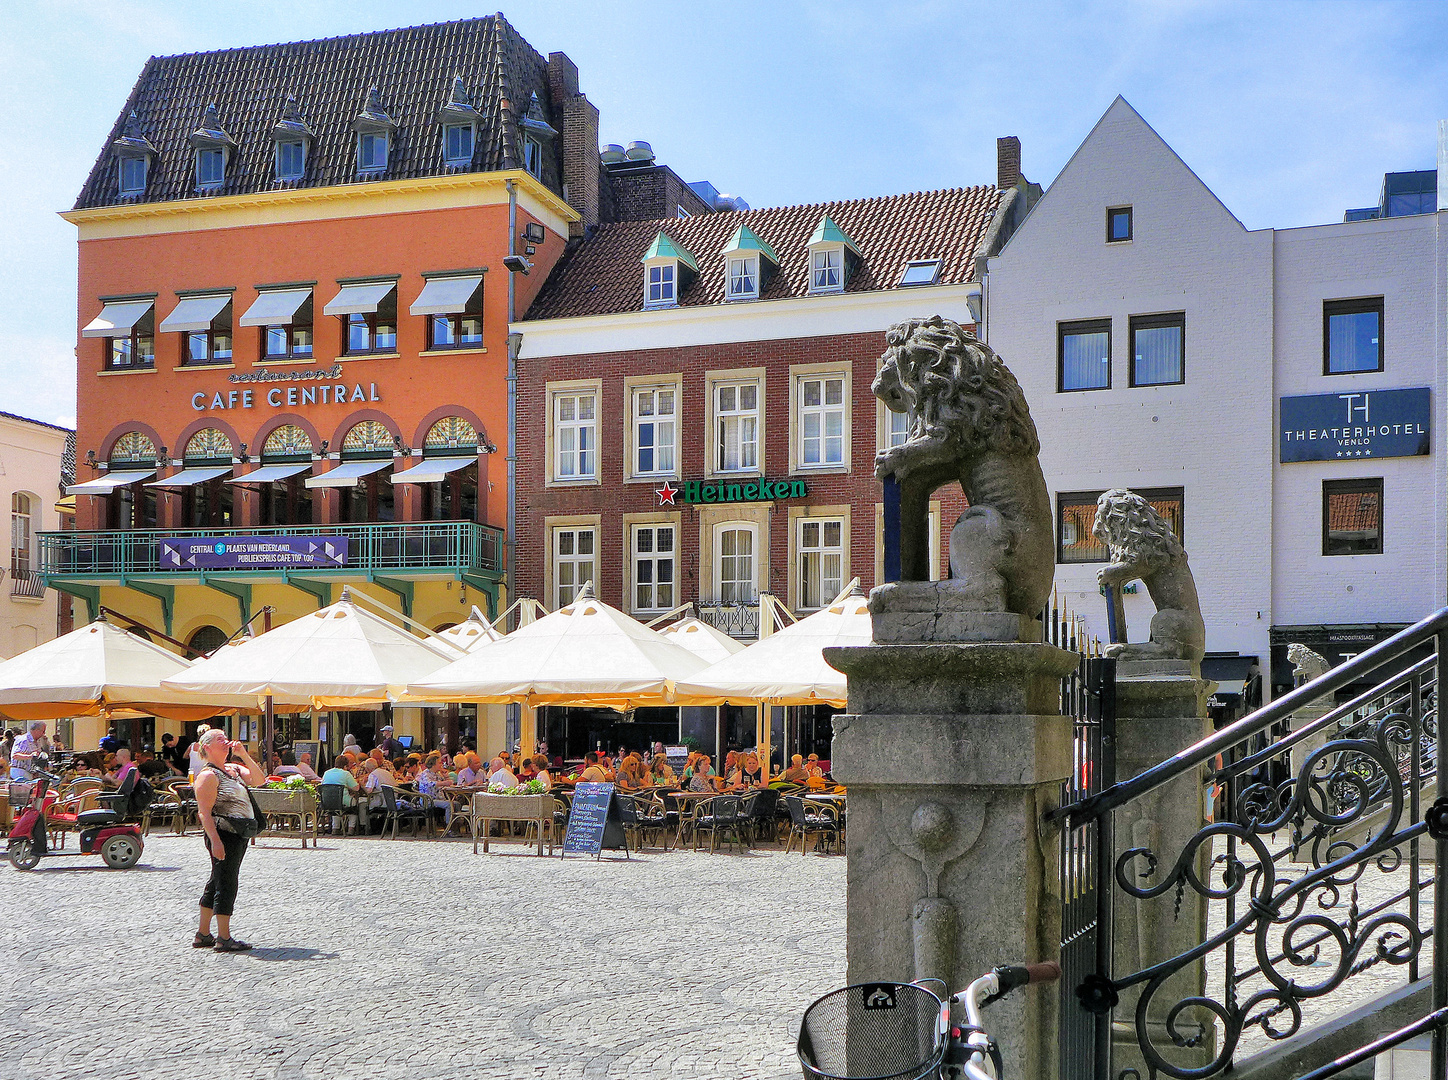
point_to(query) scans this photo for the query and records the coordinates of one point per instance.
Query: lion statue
(971, 424)
(1306, 664)
(1144, 546)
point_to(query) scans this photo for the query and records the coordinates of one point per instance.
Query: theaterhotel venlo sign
(727, 491)
(277, 397)
(1360, 424)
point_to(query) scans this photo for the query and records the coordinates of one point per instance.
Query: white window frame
(720, 416)
(683, 212)
(898, 426)
(752, 529)
(638, 559)
(741, 271)
(833, 256)
(22, 534)
(571, 434)
(820, 414)
(581, 568)
(533, 156)
(206, 153)
(449, 158)
(920, 264)
(129, 159)
(665, 445)
(668, 284)
(301, 145)
(825, 587)
(374, 166)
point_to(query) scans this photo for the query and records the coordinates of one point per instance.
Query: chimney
(582, 169)
(1008, 162)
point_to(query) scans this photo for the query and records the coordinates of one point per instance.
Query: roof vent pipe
(613, 154)
(639, 151)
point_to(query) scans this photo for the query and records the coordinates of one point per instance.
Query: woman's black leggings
(220, 892)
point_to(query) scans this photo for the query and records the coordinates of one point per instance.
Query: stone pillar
(1161, 709)
(953, 753)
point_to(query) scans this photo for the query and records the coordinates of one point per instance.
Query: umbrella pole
(762, 743)
(267, 727)
(527, 729)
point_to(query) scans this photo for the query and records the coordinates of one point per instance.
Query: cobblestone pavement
(384, 959)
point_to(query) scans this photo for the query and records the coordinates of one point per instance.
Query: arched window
(207, 504)
(450, 433)
(206, 640)
(133, 448)
(370, 438)
(208, 444)
(133, 506)
(736, 562)
(21, 538)
(454, 498)
(287, 442)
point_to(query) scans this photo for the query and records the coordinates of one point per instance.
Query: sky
(1289, 111)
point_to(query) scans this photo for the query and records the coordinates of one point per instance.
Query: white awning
(446, 295)
(194, 313)
(189, 477)
(270, 473)
(104, 485)
(275, 308)
(117, 318)
(347, 473)
(432, 470)
(359, 299)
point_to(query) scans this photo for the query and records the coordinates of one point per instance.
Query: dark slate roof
(413, 70)
(603, 275)
(37, 423)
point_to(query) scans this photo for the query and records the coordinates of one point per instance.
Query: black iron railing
(27, 584)
(737, 618)
(1306, 821)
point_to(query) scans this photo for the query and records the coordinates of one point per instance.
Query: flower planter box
(485, 809)
(281, 805)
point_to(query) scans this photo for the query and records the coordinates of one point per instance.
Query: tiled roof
(1355, 512)
(37, 423)
(413, 70)
(602, 275)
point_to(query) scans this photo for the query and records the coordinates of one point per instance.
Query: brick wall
(579, 140)
(614, 496)
(648, 194)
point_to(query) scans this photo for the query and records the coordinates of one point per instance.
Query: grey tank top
(232, 799)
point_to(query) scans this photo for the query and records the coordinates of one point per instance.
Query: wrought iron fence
(734, 617)
(1306, 821)
(27, 584)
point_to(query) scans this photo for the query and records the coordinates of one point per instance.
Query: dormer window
(212, 147)
(458, 144)
(921, 272)
(293, 138)
(459, 122)
(133, 175)
(133, 158)
(533, 155)
(372, 152)
(748, 263)
(668, 270)
(291, 160)
(210, 168)
(832, 258)
(536, 131)
(375, 129)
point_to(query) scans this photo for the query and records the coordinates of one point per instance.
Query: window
(133, 175)
(821, 421)
(898, 430)
(371, 151)
(1158, 346)
(743, 278)
(661, 285)
(291, 159)
(212, 345)
(458, 144)
(653, 565)
(575, 436)
(21, 534)
(572, 563)
(821, 561)
(288, 341)
(1084, 355)
(654, 430)
(827, 269)
(683, 212)
(373, 331)
(210, 168)
(136, 350)
(1352, 517)
(1352, 335)
(921, 272)
(459, 331)
(1118, 224)
(734, 547)
(736, 417)
(1076, 515)
(533, 156)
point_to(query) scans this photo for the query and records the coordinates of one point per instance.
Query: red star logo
(666, 493)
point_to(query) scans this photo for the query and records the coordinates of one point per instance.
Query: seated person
(124, 767)
(339, 775)
(527, 771)
(629, 774)
(304, 766)
(593, 772)
(499, 773)
(702, 776)
(153, 768)
(288, 767)
(472, 774)
(662, 772)
(752, 774)
(796, 773)
(540, 771)
(433, 776)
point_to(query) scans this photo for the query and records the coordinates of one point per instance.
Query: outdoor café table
(487, 808)
(297, 803)
(458, 798)
(685, 800)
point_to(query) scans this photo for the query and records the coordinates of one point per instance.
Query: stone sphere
(931, 825)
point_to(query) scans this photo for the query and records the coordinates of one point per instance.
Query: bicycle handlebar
(980, 1053)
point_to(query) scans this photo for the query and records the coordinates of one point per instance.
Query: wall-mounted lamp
(516, 264)
(533, 233)
(90, 458)
(242, 448)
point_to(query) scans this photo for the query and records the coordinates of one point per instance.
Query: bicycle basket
(874, 1031)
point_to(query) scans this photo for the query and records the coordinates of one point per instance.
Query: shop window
(1352, 517)
(654, 430)
(821, 561)
(1076, 516)
(736, 419)
(371, 499)
(653, 567)
(1084, 355)
(573, 563)
(453, 498)
(1352, 335)
(735, 563)
(286, 502)
(1158, 349)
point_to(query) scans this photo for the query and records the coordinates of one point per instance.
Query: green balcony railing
(402, 545)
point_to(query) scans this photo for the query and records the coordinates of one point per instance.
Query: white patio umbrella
(338, 658)
(706, 642)
(584, 654)
(472, 633)
(98, 669)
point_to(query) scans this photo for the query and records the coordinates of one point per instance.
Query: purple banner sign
(253, 552)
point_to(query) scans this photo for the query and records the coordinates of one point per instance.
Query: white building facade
(31, 460)
(1162, 346)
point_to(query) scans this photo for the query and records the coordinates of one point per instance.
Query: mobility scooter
(103, 831)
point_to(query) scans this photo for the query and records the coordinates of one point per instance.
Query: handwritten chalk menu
(594, 821)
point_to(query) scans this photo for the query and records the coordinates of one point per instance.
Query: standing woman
(224, 806)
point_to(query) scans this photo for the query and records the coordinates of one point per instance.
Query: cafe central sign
(277, 397)
(698, 491)
(1365, 423)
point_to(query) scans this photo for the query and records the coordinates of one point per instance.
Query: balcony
(25, 584)
(734, 617)
(414, 548)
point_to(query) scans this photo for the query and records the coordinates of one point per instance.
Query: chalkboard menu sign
(678, 757)
(594, 821)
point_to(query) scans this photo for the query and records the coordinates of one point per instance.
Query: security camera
(516, 264)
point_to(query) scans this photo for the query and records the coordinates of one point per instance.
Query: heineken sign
(700, 491)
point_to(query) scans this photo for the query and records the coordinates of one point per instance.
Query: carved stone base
(915, 612)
